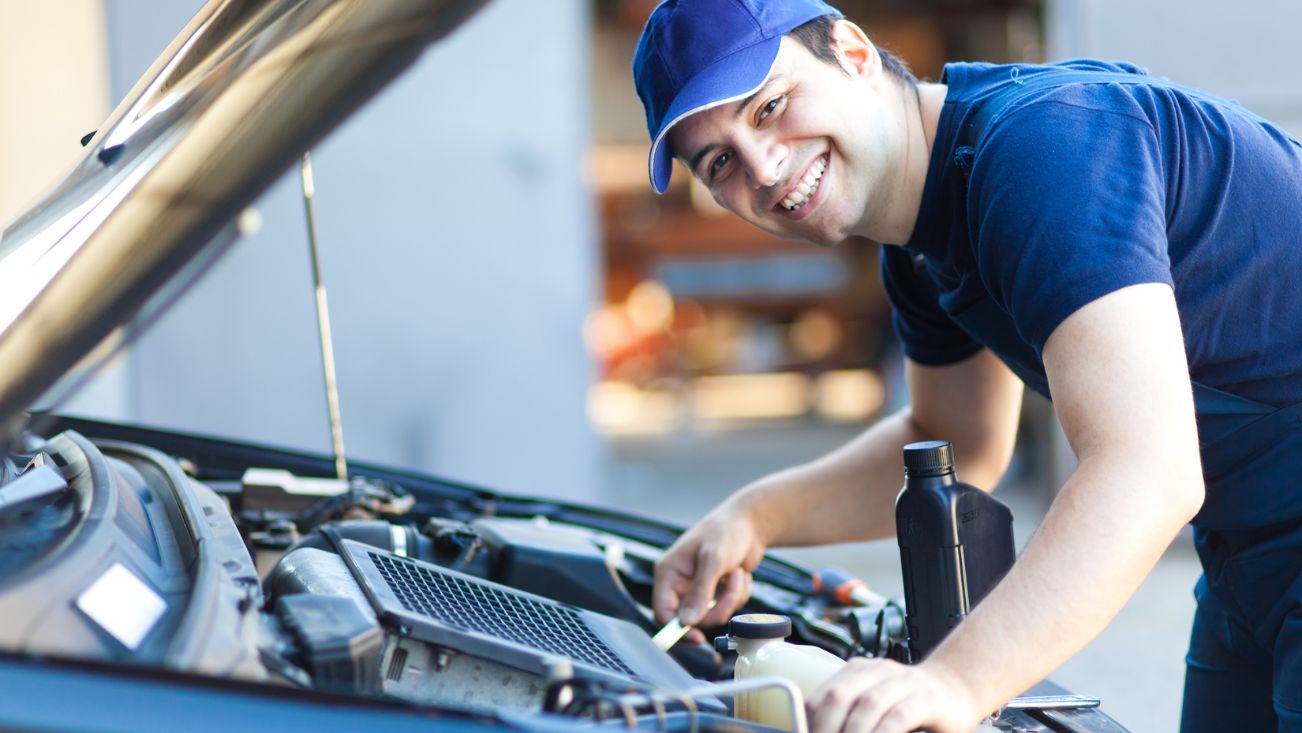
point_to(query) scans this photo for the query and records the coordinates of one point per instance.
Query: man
(1112, 240)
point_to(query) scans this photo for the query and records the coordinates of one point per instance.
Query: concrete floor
(1136, 665)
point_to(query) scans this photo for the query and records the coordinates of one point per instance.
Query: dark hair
(816, 35)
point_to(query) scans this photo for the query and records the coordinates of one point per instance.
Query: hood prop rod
(323, 324)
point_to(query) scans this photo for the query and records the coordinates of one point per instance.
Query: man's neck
(923, 118)
(931, 98)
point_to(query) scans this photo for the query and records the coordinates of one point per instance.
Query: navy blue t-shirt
(1084, 189)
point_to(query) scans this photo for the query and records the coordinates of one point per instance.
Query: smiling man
(1120, 243)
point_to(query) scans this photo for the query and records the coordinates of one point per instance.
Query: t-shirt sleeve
(926, 333)
(1071, 207)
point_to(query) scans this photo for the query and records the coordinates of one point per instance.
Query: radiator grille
(471, 606)
(397, 665)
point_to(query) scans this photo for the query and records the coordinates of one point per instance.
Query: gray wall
(458, 244)
(1244, 50)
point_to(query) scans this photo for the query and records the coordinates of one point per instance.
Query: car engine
(195, 560)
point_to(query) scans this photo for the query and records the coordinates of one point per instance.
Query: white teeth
(806, 187)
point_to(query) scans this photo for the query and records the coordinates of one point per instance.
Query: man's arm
(847, 495)
(1121, 389)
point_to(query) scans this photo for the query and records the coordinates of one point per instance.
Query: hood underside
(244, 90)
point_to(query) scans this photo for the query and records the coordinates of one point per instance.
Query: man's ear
(858, 56)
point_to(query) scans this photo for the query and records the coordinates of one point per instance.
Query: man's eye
(769, 108)
(718, 164)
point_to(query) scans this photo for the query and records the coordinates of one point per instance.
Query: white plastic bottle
(761, 652)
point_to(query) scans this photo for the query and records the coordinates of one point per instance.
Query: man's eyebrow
(696, 158)
(746, 102)
(700, 154)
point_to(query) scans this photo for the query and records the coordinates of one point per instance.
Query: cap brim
(729, 79)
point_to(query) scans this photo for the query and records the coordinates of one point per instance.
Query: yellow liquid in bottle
(806, 666)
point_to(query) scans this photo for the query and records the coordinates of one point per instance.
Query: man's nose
(764, 160)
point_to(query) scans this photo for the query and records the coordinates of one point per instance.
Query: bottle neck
(750, 646)
(947, 478)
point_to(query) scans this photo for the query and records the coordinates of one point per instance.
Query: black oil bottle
(956, 543)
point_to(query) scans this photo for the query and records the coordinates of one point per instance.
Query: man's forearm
(845, 496)
(1120, 383)
(849, 494)
(1102, 536)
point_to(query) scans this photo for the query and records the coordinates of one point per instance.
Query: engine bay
(165, 551)
(118, 551)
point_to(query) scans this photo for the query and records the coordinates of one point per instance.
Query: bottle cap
(928, 458)
(759, 626)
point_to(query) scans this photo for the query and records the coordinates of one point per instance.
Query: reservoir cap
(759, 626)
(929, 458)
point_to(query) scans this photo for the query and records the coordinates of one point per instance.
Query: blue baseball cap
(698, 54)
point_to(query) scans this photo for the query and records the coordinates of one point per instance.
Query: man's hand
(711, 561)
(845, 496)
(881, 696)
(1121, 389)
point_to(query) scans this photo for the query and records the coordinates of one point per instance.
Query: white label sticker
(122, 605)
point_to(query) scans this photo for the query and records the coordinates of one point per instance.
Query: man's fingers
(733, 592)
(880, 696)
(876, 707)
(664, 601)
(828, 710)
(708, 569)
(829, 707)
(666, 595)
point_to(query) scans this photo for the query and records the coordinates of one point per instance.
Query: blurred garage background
(514, 308)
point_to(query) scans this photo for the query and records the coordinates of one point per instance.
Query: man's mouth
(807, 187)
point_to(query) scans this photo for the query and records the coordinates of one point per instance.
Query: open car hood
(245, 89)
(153, 576)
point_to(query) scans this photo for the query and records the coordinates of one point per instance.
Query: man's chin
(823, 241)
(791, 236)
(810, 236)
(815, 237)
